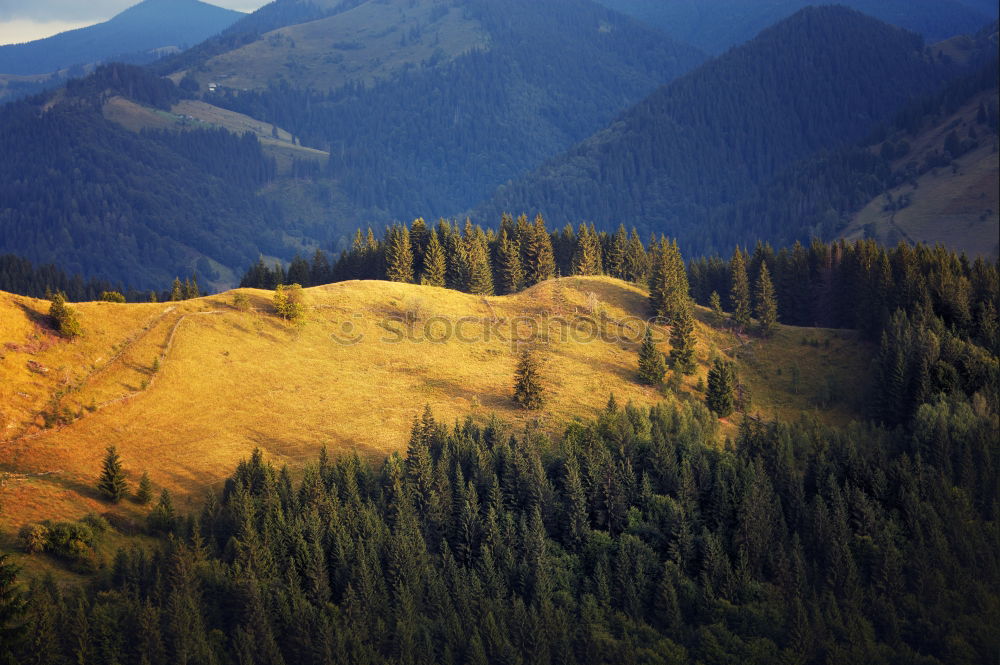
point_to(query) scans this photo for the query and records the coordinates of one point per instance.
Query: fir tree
(767, 304)
(668, 283)
(652, 367)
(511, 268)
(682, 341)
(12, 610)
(434, 266)
(587, 257)
(112, 482)
(739, 291)
(528, 391)
(162, 518)
(636, 259)
(64, 316)
(177, 290)
(398, 255)
(144, 494)
(617, 253)
(715, 303)
(479, 269)
(541, 262)
(721, 397)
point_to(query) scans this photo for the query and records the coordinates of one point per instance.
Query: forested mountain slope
(145, 27)
(821, 79)
(716, 25)
(80, 191)
(440, 130)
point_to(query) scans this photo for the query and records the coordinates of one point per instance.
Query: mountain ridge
(147, 26)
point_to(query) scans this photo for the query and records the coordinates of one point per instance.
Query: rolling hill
(717, 25)
(819, 80)
(185, 390)
(140, 32)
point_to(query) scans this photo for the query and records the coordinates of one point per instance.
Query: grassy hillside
(187, 389)
(957, 205)
(368, 42)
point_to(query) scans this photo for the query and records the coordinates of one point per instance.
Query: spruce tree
(767, 303)
(715, 302)
(112, 482)
(12, 610)
(617, 253)
(162, 517)
(652, 367)
(398, 255)
(144, 494)
(587, 254)
(636, 259)
(177, 290)
(541, 261)
(721, 397)
(682, 342)
(434, 266)
(510, 267)
(479, 269)
(739, 291)
(528, 391)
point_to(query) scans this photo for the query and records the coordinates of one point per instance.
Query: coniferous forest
(629, 539)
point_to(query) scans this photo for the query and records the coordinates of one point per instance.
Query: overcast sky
(25, 20)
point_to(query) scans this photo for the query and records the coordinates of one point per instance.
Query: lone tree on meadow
(652, 367)
(64, 316)
(527, 382)
(721, 396)
(288, 302)
(112, 483)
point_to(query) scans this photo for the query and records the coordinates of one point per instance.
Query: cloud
(27, 30)
(90, 11)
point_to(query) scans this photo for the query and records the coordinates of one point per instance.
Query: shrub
(34, 538)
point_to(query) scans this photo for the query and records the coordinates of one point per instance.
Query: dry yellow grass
(231, 381)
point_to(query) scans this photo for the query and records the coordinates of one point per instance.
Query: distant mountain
(427, 105)
(716, 25)
(821, 79)
(459, 101)
(148, 27)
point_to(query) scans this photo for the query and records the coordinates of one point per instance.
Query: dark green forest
(629, 539)
(714, 158)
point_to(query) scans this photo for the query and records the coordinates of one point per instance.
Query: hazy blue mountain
(821, 79)
(715, 25)
(145, 27)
